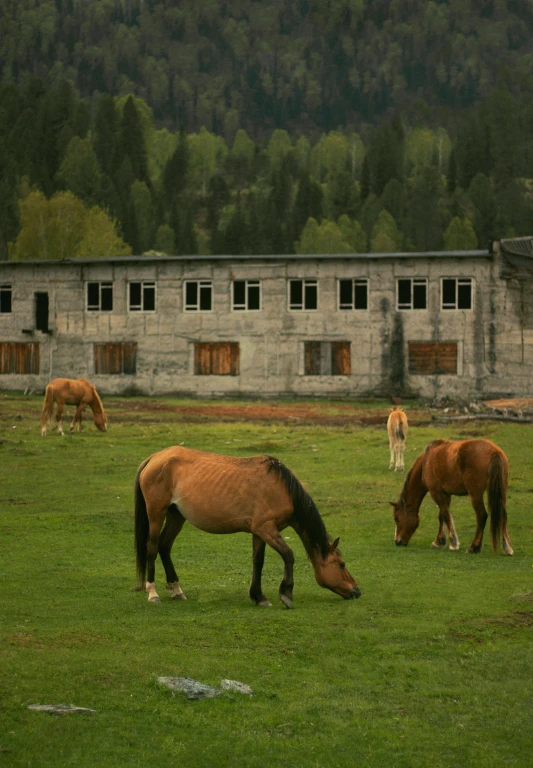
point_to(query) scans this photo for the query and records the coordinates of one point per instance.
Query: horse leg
(481, 518)
(445, 521)
(258, 558)
(392, 453)
(173, 526)
(152, 548)
(77, 418)
(507, 548)
(59, 416)
(272, 537)
(401, 451)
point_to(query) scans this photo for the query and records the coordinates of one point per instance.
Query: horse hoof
(138, 588)
(436, 545)
(266, 603)
(155, 599)
(179, 597)
(287, 602)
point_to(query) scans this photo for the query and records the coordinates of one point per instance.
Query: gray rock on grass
(195, 690)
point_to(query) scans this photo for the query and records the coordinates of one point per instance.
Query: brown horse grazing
(397, 431)
(456, 468)
(225, 494)
(78, 392)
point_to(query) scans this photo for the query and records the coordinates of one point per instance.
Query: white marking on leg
(153, 597)
(175, 590)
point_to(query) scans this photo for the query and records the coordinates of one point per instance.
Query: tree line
(104, 170)
(308, 66)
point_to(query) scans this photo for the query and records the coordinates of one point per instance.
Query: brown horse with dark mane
(78, 392)
(456, 468)
(226, 494)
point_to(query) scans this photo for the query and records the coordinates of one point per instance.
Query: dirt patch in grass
(325, 414)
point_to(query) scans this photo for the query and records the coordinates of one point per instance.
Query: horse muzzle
(354, 594)
(400, 543)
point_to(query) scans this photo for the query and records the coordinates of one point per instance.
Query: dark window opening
(198, 296)
(100, 297)
(41, 312)
(353, 294)
(148, 297)
(246, 295)
(412, 293)
(303, 294)
(457, 293)
(464, 295)
(419, 295)
(142, 297)
(5, 298)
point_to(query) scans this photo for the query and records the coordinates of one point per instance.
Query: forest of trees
(263, 126)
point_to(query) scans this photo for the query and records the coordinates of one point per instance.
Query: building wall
(494, 339)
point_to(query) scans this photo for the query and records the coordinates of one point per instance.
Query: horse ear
(393, 504)
(391, 410)
(335, 544)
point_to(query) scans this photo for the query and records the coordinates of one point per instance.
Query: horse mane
(97, 403)
(414, 468)
(305, 510)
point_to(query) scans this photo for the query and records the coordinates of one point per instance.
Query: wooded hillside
(264, 126)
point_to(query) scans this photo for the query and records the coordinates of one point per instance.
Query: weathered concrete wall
(494, 339)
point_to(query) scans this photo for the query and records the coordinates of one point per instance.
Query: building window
(198, 296)
(429, 358)
(303, 294)
(100, 297)
(19, 358)
(412, 293)
(142, 297)
(115, 358)
(456, 293)
(216, 359)
(246, 295)
(5, 298)
(327, 358)
(353, 294)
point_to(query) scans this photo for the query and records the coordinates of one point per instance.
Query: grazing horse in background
(397, 430)
(78, 392)
(226, 494)
(456, 468)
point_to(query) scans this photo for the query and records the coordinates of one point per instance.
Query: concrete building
(456, 324)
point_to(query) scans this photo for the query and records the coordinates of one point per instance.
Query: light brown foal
(397, 431)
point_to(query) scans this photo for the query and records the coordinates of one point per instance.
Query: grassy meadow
(432, 666)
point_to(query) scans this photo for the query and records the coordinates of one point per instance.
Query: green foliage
(63, 227)
(433, 665)
(325, 237)
(460, 235)
(386, 237)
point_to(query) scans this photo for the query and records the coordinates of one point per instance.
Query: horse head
(407, 521)
(331, 573)
(100, 419)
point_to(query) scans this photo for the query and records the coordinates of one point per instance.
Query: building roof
(150, 258)
(517, 258)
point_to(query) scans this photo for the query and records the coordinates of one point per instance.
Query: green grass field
(432, 666)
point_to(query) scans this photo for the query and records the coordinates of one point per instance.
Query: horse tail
(400, 431)
(48, 406)
(141, 526)
(305, 511)
(497, 488)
